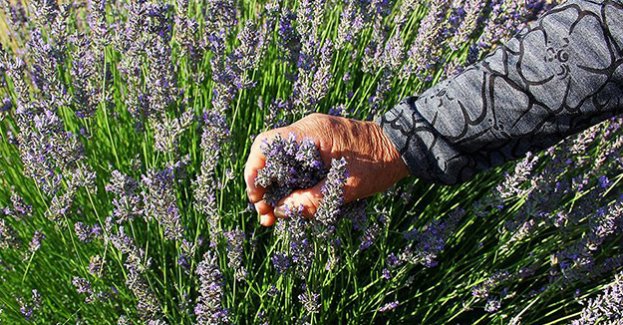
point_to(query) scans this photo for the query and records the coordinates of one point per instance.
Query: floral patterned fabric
(560, 75)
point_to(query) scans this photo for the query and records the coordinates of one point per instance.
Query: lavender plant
(124, 127)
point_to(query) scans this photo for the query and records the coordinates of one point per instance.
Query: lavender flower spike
(83, 286)
(606, 307)
(389, 306)
(426, 49)
(161, 202)
(209, 309)
(301, 245)
(35, 243)
(281, 262)
(309, 300)
(235, 251)
(8, 236)
(333, 194)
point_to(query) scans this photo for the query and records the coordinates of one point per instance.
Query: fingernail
(280, 211)
(263, 220)
(267, 220)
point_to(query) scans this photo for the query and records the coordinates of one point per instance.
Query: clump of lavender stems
(290, 165)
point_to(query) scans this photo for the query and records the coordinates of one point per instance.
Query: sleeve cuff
(398, 125)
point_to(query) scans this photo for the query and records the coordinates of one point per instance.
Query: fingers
(309, 199)
(262, 207)
(255, 162)
(267, 220)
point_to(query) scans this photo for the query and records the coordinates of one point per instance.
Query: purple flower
(389, 306)
(82, 285)
(187, 252)
(511, 186)
(393, 261)
(161, 202)
(47, 58)
(273, 118)
(6, 105)
(427, 244)
(20, 208)
(168, 130)
(235, 250)
(425, 51)
(281, 262)
(314, 79)
(339, 110)
(35, 243)
(356, 213)
(209, 308)
(86, 79)
(483, 290)
(273, 291)
(221, 14)
(97, 21)
(127, 203)
(247, 55)
(351, 24)
(577, 260)
(383, 87)
(604, 182)
(85, 233)
(96, 265)
(506, 19)
(492, 305)
(386, 274)
(183, 261)
(289, 39)
(369, 236)
(297, 229)
(215, 134)
(289, 166)
(405, 11)
(25, 309)
(16, 17)
(469, 17)
(604, 307)
(310, 302)
(148, 306)
(333, 196)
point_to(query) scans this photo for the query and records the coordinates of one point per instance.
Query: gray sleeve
(560, 75)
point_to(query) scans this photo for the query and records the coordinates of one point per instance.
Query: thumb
(309, 199)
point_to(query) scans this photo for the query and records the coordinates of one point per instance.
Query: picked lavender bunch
(290, 165)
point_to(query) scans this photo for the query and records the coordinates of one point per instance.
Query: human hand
(373, 163)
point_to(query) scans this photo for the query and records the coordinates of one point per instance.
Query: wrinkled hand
(373, 163)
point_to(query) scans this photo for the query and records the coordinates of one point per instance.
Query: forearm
(559, 76)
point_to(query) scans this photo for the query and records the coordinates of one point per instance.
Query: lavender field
(125, 126)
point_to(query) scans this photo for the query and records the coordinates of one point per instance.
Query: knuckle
(265, 135)
(248, 170)
(257, 141)
(311, 203)
(254, 197)
(316, 119)
(314, 116)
